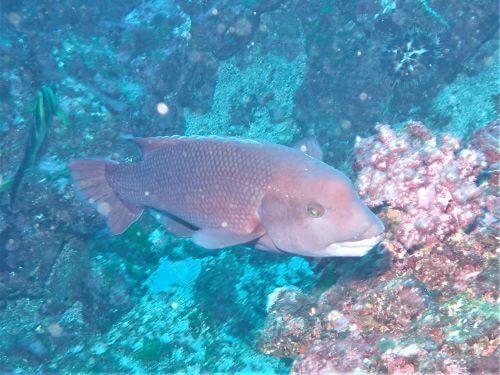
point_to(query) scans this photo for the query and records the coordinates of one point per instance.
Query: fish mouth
(353, 248)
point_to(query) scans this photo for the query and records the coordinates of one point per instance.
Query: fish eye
(315, 210)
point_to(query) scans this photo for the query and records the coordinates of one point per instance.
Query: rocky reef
(434, 312)
(434, 309)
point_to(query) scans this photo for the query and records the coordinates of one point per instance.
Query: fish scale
(201, 181)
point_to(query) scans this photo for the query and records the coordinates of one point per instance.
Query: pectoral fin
(174, 225)
(150, 144)
(220, 238)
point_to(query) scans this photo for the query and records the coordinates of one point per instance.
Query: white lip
(353, 248)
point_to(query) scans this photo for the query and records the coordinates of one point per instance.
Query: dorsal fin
(149, 144)
(220, 138)
(310, 146)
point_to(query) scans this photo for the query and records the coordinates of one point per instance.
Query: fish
(225, 191)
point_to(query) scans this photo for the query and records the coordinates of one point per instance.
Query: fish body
(226, 191)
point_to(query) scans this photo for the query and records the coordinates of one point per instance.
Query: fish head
(320, 215)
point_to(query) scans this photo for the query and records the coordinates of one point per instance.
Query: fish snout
(376, 229)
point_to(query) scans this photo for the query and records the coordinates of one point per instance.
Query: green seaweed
(429, 10)
(5, 185)
(46, 105)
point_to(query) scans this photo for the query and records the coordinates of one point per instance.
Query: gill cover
(289, 226)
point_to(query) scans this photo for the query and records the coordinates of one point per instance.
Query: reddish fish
(225, 191)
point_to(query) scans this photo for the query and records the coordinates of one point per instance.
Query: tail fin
(90, 180)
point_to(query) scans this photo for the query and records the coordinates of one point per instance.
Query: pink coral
(432, 183)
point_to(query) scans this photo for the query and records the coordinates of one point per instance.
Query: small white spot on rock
(408, 351)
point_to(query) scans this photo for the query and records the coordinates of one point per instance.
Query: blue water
(78, 78)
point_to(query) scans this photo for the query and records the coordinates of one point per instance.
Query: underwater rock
(224, 29)
(107, 294)
(153, 13)
(170, 275)
(65, 282)
(290, 325)
(265, 76)
(208, 325)
(349, 76)
(456, 265)
(154, 26)
(433, 310)
(196, 81)
(394, 304)
(34, 346)
(469, 102)
(36, 232)
(339, 356)
(391, 324)
(486, 140)
(23, 268)
(3, 222)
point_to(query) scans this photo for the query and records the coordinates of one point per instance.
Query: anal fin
(150, 144)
